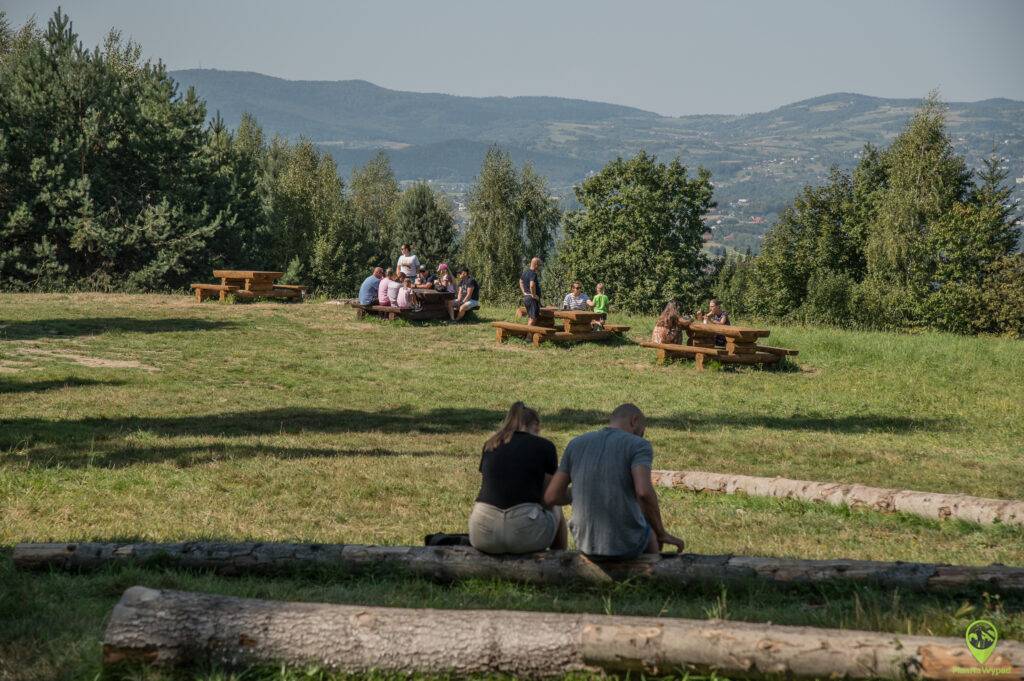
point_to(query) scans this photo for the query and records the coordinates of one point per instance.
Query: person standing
(368, 290)
(615, 511)
(529, 284)
(600, 300)
(515, 467)
(408, 263)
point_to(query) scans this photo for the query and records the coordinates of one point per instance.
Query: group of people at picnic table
(399, 286)
(605, 475)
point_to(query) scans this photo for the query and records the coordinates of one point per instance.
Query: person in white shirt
(408, 264)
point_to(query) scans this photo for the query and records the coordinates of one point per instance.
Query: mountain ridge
(763, 158)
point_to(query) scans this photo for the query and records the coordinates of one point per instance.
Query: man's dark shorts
(532, 307)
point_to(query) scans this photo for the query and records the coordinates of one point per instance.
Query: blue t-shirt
(368, 291)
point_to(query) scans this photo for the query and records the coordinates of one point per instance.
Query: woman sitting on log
(669, 327)
(516, 466)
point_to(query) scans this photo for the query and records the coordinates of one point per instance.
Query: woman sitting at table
(669, 327)
(576, 299)
(515, 467)
(445, 281)
(382, 289)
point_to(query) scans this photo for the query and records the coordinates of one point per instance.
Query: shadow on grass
(9, 387)
(98, 441)
(91, 326)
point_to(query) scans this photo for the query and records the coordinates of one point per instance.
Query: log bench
(699, 354)
(204, 291)
(565, 326)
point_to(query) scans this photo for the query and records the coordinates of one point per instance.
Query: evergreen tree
(640, 231)
(493, 245)
(374, 198)
(423, 218)
(106, 168)
(539, 213)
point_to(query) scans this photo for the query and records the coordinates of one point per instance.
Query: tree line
(112, 180)
(911, 239)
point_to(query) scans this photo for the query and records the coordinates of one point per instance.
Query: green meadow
(153, 418)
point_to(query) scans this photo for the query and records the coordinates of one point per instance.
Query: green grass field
(151, 417)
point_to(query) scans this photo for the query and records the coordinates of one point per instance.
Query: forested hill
(763, 157)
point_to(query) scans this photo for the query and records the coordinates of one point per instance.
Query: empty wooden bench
(204, 291)
(535, 333)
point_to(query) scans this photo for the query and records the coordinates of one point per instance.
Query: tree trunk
(926, 504)
(175, 627)
(448, 563)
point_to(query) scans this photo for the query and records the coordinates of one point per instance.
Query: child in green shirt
(600, 300)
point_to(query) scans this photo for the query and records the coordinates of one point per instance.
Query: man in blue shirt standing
(368, 289)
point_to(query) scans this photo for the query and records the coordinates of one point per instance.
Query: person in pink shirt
(382, 289)
(406, 294)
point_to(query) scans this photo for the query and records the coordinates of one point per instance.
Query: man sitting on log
(615, 508)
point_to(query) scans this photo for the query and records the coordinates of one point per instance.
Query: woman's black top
(513, 473)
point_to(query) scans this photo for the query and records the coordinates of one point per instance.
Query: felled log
(176, 627)
(927, 504)
(451, 563)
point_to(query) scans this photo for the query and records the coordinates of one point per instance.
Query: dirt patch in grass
(88, 360)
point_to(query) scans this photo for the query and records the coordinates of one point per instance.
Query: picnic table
(432, 304)
(248, 284)
(704, 341)
(566, 326)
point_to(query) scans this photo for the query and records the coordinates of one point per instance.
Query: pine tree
(423, 219)
(374, 198)
(539, 213)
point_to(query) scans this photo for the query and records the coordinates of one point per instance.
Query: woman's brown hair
(669, 316)
(519, 417)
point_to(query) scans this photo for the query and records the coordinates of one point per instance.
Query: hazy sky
(720, 56)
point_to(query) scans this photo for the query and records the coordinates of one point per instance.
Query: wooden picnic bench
(703, 342)
(565, 326)
(433, 304)
(248, 284)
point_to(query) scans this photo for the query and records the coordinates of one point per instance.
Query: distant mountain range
(764, 158)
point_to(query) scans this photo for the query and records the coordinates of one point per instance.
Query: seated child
(406, 294)
(382, 289)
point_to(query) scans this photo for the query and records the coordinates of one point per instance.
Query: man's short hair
(423, 268)
(407, 246)
(625, 412)
(463, 270)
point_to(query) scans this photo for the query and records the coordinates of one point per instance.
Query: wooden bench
(762, 355)
(570, 326)
(204, 291)
(536, 333)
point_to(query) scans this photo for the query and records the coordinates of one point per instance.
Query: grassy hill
(764, 157)
(154, 418)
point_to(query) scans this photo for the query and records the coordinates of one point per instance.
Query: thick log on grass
(450, 563)
(926, 504)
(175, 627)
